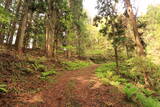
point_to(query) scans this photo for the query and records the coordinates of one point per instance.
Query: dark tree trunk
(127, 51)
(116, 57)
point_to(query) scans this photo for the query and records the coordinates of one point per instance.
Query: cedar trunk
(22, 29)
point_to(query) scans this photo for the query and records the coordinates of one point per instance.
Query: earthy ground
(78, 88)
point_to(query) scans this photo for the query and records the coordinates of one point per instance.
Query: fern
(3, 88)
(51, 72)
(132, 90)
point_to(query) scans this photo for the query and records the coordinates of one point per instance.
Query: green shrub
(142, 70)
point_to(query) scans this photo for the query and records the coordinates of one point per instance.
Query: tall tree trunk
(127, 51)
(49, 42)
(50, 28)
(35, 43)
(29, 22)
(13, 25)
(22, 29)
(139, 47)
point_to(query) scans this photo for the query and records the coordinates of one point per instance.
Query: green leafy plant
(139, 95)
(107, 74)
(39, 67)
(3, 88)
(48, 73)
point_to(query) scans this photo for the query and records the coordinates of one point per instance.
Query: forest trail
(79, 88)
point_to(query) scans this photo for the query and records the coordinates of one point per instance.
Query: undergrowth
(141, 95)
(142, 72)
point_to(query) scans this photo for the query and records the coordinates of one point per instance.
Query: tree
(22, 28)
(132, 19)
(111, 24)
(5, 18)
(14, 22)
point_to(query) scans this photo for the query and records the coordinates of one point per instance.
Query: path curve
(80, 88)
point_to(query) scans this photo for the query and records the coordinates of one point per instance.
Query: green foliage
(95, 52)
(152, 32)
(140, 96)
(39, 67)
(130, 90)
(26, 71)
(107, 74)
(48, 73)
(111, 24)
(75, 65)
(3, 88)
(106, 67)
(5, 16)
(142, 70)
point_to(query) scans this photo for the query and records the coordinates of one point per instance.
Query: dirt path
(79, 88)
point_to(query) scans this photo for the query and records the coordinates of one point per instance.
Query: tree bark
(29, 22)
(127, 51)
(49, 44)
(139, 47)
(22, 29)
(50, 28)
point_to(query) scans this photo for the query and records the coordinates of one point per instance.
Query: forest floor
(79, 88)
(76, 88)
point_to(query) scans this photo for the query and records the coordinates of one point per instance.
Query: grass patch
(75, 65)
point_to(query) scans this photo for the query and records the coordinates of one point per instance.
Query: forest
(54, 54)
